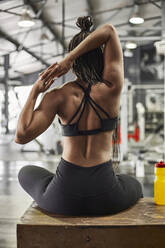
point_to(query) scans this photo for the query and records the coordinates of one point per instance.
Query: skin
(87, 150)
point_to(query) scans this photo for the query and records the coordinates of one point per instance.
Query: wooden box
(140, 226)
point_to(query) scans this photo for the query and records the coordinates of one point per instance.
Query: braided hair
(89, 68)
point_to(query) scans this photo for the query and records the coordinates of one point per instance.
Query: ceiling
(29, 54)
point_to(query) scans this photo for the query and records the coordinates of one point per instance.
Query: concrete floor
(14, 200)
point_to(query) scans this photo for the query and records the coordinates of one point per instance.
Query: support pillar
(6, 68)
(124, 121)
(63, 32)
(163, 37)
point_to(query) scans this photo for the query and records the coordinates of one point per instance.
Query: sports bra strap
(87, 98)
(83, 99)
(82, 110)
(100, 107)
(94, 109)
(89, 87)
(86, 91)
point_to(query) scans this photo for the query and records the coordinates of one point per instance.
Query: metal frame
(6, 67)
(151, 1)
(46, 24)
(17, 44)
(62, 39)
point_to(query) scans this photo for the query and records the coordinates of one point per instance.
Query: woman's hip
(85, 181)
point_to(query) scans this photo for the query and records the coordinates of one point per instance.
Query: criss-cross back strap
(94, 109)
(76, 111)
(82, 110)
(87, 96)
(88, 100)
(99, 107)
(84, 101)
(87, 91)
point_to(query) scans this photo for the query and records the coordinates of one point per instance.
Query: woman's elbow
(19, 141)
(20, 138)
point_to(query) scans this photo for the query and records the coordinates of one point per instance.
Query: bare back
(88, 150)
(94, 149)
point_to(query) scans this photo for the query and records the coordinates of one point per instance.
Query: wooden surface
(141, 226)
(145, 212)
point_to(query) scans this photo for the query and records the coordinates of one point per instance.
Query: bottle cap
(161, 164)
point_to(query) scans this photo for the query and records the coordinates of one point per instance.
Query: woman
(87, 108)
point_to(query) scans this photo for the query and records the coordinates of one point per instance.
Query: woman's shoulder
(66, 86)
(68, 89)
(69, 85)
(60, 89)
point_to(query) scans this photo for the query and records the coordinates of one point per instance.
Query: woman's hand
(58, 69)
(43, 82)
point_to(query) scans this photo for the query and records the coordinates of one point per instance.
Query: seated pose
(87, 108)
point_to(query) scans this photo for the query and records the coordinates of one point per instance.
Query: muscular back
(90, 149)
(94, 149)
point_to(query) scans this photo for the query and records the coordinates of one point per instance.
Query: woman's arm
(32, 123)
(97, 38)
(93, 40)
(26, 114)
(113, 55)
(113, 58)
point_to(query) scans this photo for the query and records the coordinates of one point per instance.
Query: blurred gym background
(35, 34)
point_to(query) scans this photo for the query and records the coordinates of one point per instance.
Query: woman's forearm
(26, 114)
(97, 38)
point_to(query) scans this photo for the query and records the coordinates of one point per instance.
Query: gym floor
(14, 200)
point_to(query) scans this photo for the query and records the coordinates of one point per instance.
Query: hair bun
(84, 23)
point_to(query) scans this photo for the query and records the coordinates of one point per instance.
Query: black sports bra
(73, 130)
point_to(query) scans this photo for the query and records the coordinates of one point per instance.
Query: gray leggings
(77, 190)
